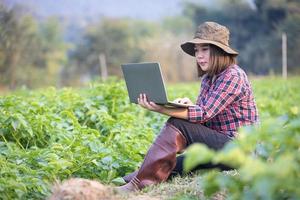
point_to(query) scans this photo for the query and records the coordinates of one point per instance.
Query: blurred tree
(52, 51)
(178, 25)
(15, 35)
(31, 54)
(291, 27)
(128, 40)
(165, 48)
(280, 16)
(255, 31)
(117, 39)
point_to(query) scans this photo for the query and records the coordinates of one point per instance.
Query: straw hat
(209, 33)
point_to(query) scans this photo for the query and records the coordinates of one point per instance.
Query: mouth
(202, 63)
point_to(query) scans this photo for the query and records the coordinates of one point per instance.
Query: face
(202, 53)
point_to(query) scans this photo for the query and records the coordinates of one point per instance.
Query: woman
(224, 104)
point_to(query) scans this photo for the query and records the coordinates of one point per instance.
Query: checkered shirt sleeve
(216, 100)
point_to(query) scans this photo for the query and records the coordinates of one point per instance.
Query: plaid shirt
(225, 103)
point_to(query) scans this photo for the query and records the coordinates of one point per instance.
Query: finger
(139, 99)
(185, 100)
(146, 100)
(142, 101)
(145, 97)
(146, 103)
(178, 100)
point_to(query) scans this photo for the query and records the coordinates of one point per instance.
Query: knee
(176, 121)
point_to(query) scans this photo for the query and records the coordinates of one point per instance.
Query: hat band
(213, 40)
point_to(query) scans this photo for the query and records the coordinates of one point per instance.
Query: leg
(196, 133)
(178, 170)
(160, 159)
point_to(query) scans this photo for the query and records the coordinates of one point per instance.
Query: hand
(143, 101)
(184, 100)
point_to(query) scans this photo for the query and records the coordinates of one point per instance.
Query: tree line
(34, 52)
(257, 31)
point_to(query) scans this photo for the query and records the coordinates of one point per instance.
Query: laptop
(147, 78)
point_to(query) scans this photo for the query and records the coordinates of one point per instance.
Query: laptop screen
(145, 78)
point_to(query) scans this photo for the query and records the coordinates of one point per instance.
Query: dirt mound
(84, 189)
(81, 189)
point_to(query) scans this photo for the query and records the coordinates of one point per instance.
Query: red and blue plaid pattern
(225, 103)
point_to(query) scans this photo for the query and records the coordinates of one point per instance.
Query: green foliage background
(55, 134)
(95, 133)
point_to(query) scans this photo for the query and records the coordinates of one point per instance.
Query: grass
(179, 188)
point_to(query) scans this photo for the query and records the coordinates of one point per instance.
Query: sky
(86, 11)
(140, 9)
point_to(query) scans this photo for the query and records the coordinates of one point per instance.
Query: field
(94, 133)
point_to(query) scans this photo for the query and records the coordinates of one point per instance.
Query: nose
(198, 54)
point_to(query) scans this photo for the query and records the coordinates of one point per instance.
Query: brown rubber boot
(159, 161)
(130, 176)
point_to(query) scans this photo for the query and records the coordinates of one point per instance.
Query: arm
(181, 113)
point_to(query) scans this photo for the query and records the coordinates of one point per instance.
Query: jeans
(197, 133)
